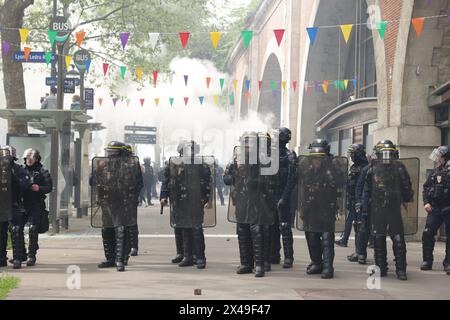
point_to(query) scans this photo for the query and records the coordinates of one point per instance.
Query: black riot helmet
(128, 150)
(114, 149)
(385, 149)
(32, 154)
(357, 152)
(285, 135)
(190, 146)
(440, 155)
(319, 147)
(8, 151)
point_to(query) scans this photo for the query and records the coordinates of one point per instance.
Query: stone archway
(269, 105)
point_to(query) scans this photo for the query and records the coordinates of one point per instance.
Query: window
(333, 140)
(368, 131)
(345, 139)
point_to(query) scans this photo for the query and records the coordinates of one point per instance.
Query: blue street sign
(35, 56)
(49, 81)
(89, 98)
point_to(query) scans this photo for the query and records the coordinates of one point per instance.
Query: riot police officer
(14, 180)
(286, 179)
(387, 188)
(322, 184)
(116, 182)
(252, 203)
(357, 153)
(34, 198)
(436, 199)
(189, 184)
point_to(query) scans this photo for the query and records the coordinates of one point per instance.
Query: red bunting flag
(105, 69)
(208, 82)
(294, 85)
(142, 102)
(260, 85)
(186, 99)
(155, 78)
(279, 33)
(184, 38)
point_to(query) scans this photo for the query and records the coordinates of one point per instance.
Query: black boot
(399, 248)
(179, 245)
(427, 249)
(288, 245)
(17, 244)
(328, 255)
(3, 243)
(313, 239)
(199, 245)
(120, 247)
(380, 252)
(126, 246)
(245, 248)
(275, 245)
(109, 247)
(133, 236)
(33, 245)
(258, 249)
(362, 240)
(187, 248)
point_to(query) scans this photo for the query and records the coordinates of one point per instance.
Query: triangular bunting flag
(171, 101)
(336, 84)
(184, 38)
(154, 39)
(222, 82)
(279, 33)
(345, 84)
(215, 37)
(247, 95)
(260, 85)
(355, 83)
(307, 88)
(186, 100)
(294, 85)
(235, 84)
(105, 69)
(155, 78)
(123, 69)
(208, 82)
(88, 65)
(142, 102)
(100, 101)
(139, 73)
(316, 86)
(312, 33)
(216, 100)
(247, 85)
(186, 79)
(342, 84)
(52, 36)
(231, 98)
(346, 31)
(325, 86)
(202, 98)
(156, 101)
(27, 51)
(247, 36)
(272, 85)
(23, 35)
(115, 101)
(124, 39)
(80, 37)
(418, 25)
(5, 47)
(283, 85)
(68, 61)
(381, 27)
(48, 57)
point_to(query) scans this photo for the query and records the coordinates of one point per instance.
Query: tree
(11, 16)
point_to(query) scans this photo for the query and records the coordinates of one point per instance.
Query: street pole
(60, 93)
(53, 69)
(82, 106)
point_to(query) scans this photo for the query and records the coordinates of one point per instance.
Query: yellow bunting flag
(216, 100)
(283, 84)
(346, 84)
(235, 83)
(157, 101)
(23, 35)
(215, 37)
(346, 31)
(68, 61)
(139, 73)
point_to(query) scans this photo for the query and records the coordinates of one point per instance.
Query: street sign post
(140, 138)
(49, 81)
(89, 98)
(140, 128)
(69, 85)
(34, 57)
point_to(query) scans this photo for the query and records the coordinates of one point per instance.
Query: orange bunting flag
(80, 37)
(100, 101)
(325, 86)
(208, 82)
(26, 51)
(247, 95)
(418, 25)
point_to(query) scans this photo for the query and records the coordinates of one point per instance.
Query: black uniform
(286, 180)
(363, 219)
(35, 205)
(219, 183)
(436, 192)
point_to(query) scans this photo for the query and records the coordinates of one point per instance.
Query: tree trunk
(11, 16)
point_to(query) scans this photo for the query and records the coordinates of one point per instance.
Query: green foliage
(7, 283)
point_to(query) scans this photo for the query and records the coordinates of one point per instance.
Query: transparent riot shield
(5, 186)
